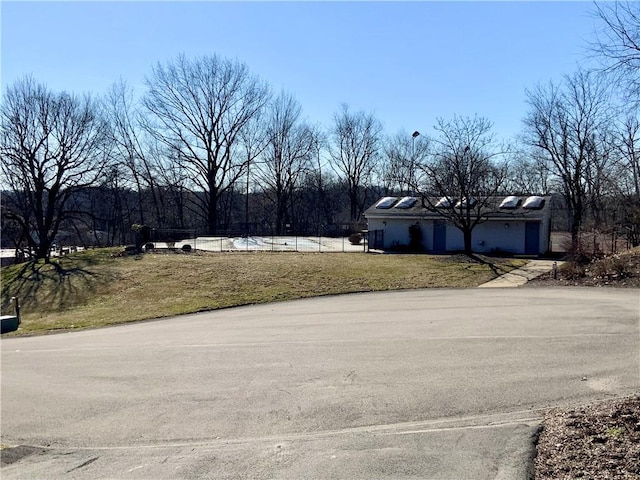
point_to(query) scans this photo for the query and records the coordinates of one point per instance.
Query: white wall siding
(455, 239)
(496, 236)
(491, 236)
(396, 230)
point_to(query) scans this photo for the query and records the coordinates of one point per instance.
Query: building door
(375, 239)
(439, 236)
(532, 238)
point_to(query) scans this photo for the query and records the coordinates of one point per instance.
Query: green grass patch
(96, 288)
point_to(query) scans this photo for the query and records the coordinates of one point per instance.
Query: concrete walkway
(522, 275)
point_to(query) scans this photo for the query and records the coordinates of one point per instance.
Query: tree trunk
(468, 245)
(212, 214)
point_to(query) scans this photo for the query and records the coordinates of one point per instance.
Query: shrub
(142, 233)
(577, 252)
(355, 238)
(573, 270)
(610, 267)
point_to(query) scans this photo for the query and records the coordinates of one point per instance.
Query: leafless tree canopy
(403, 154)
(51, 147)
(197, 111)
(628, 145)
(206, 145)
(526, 176)
(131, 149)
(291, 144)
(568, 126)
(617, 43)
(464, 167)
(354, 151)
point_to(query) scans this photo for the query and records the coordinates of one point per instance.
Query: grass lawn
(95, 288)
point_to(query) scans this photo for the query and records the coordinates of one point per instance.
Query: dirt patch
(599, 441)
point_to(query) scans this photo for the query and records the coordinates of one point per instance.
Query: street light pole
(413, 144)
(412, 165)
(246, 209)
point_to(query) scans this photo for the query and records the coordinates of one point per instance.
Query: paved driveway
(414, 384)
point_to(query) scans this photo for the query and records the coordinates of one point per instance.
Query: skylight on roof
(463, 203)
(444, 202)
(386, 202)
(406, 202)
(510, 202)
(533, 203)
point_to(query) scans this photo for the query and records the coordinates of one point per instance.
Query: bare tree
(321, 194)
(526, 175)
(618, 43)
(354, 149)
(254, 140)
(629, 150)
(130, 149)
(52, 146)
(464, 170)
(403, 153)
(566, 127)
(602, 174)
(198, 110)
(291, 145)
(627, 198)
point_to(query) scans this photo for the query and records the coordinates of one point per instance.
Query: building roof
(511, 207)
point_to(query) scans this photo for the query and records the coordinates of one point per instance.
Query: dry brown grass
(95, 288)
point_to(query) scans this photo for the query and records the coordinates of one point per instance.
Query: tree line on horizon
(210, 147)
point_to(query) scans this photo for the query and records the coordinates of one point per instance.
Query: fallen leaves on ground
(599, 441)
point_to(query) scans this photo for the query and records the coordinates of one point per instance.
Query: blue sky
(406, 62)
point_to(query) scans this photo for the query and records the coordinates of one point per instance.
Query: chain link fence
(265, 243)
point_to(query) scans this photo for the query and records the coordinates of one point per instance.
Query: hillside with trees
(209, 147)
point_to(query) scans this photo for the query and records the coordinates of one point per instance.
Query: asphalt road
(439, 384)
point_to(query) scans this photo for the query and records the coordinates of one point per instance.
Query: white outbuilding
(509, 224)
